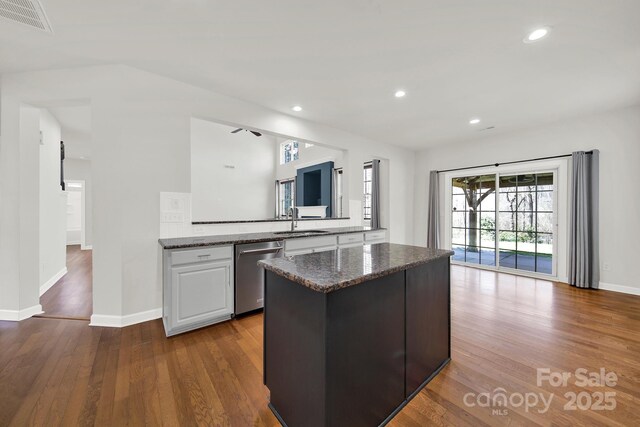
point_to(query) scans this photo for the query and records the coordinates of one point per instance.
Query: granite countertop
(240, 221)
(239, 239)
(332, 270)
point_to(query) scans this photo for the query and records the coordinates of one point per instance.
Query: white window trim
(282, 144)
(560, 167)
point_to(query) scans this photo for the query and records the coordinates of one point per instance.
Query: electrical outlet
(606, 266)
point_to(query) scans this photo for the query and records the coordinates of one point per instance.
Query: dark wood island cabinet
(352, 335)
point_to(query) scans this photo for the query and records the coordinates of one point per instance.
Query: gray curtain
(584, 262)
(375, 194)
(433, 225)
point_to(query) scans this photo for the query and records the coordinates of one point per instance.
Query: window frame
(280, 211)
(559, 167)
(367, 167)
(294, 157)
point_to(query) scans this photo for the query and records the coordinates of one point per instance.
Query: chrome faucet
(294, 222)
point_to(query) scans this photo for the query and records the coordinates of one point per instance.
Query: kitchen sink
(301, 232)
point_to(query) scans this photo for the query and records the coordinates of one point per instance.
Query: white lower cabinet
(198, 288)
(372, 237)
(350, 240)
(310, 245)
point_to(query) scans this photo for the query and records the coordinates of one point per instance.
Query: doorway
(505, 221)
(71, 294)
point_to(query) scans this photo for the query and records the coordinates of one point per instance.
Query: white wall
(52, 215)
(232, 175)
(140, 147)
(80, 170)
(19, 209)
(615, 134)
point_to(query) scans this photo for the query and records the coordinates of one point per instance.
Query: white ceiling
(343, 60)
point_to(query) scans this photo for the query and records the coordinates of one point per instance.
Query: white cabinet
(310, 245)
(350, 240)
(378, 236)
(198, 288)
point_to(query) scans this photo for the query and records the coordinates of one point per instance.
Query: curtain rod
(511, 163)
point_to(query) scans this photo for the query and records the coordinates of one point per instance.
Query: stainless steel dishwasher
(250, 277)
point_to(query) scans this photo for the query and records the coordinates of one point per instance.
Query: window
(337, 193)
(286, 190)
(288, 151)
(526, 222)
(366, 209)
(504, 221)
(473, 219)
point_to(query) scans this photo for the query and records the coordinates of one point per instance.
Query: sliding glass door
(473, 219)
(504, 221)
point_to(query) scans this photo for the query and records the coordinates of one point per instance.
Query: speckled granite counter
(243, 221)
(352, 335)
(239, 239)
(333, 270)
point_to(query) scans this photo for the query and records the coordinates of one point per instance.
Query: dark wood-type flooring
(72, 296)
(64, 372)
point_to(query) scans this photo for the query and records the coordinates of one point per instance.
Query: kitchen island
(352, 335)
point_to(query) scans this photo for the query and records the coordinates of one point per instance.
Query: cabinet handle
(262, 251)
(204, 256)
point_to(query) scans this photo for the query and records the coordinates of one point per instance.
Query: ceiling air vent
(26, 12)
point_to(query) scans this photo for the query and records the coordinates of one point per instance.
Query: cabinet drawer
(189, 256)
(309, 242)
(349, 238)
(310, 250)
(350, 245)
(377, 236)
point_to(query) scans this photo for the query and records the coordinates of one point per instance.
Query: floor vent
(26, 12)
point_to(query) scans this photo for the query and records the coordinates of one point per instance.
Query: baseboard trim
(86, 247)
(109, 321)
(52, 281)
(619, 288)
(18, 315)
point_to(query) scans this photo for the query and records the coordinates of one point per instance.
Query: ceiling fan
(252, 131)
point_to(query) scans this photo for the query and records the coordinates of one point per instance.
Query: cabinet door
(427, 321)
(201, 292)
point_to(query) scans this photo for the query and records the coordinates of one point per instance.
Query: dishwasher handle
(261, 251)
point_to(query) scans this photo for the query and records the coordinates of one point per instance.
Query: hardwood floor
(72, 296)
(62, 372)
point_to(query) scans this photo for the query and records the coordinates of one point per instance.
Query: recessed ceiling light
(536, 35)
(474, 121)
(296, 108)
(400, 93)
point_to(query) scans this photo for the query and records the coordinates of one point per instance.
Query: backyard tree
(472, 187)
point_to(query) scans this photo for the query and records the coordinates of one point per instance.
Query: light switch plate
(173, 217)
